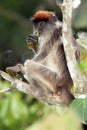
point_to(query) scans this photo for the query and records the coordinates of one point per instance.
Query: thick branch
(79, 80)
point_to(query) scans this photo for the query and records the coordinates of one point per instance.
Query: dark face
(39, 28)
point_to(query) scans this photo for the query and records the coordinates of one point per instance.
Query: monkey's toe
(10, 71)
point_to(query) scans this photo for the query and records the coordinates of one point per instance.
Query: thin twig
(10, 89)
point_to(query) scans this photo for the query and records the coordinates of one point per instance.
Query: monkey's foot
(15, 69)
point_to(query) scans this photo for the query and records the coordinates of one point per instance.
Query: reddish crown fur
(40, 15)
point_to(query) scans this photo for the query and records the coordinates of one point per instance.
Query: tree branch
(79, 80)
(15, 83)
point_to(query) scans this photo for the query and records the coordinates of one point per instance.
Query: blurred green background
(17, 110)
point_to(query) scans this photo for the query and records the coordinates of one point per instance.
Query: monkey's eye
(41, 24)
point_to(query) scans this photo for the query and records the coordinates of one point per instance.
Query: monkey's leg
(42, 74)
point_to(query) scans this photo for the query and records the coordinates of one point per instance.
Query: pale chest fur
(50, 62)
(54, 60)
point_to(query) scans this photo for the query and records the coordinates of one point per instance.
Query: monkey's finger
(33, 36)
(32, 39)
(10, 72)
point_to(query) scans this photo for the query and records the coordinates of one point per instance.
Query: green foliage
(69, 121)
(80, 105)
(22, 112)
(83, 65)
(18, 110)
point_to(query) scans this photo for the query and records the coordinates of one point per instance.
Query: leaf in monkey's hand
(30, 45)
(80, 105)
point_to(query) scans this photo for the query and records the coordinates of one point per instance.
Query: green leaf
(80, 105)
(18, 108)
(4, 108)
(83, 65)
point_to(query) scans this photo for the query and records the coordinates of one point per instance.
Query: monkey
(47, 72)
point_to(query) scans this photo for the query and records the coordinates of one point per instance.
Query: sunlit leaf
(80, 105)
(53, 121)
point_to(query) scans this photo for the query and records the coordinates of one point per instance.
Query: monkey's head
(44, 22)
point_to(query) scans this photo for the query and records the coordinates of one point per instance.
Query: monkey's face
(39, 27)
(43, 28)
(44, 22)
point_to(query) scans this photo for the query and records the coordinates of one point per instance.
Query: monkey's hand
(32, 42)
